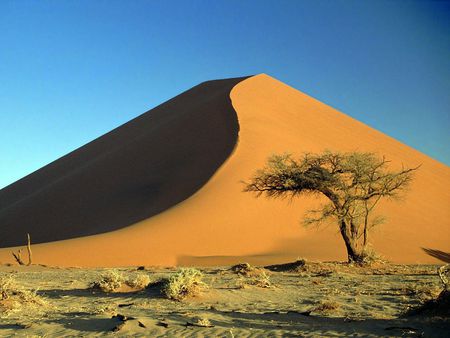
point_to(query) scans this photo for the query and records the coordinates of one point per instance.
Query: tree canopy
(352, 182)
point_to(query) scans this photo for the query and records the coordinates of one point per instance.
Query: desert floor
(317, 300)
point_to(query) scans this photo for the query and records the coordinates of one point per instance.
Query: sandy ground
(358, 302)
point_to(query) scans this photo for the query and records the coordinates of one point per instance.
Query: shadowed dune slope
(133, 172)
(220, 224)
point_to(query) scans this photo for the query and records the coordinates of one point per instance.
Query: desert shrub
(326, 306)
(258, 278)
(371, 257)
(110, 281)
(242, 269)
(13, 296)
(261, 280)
(141, 281)
(203, 322)
(185, 283)
(113, 280)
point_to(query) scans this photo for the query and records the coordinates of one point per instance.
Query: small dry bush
(243, 269)
(185, 283)
(371, 257)
(257, 277)
(326, 306)
(246, 270)
(110, 281)
(141, 281)
(203, 322)
(13, 296)
(113, 280)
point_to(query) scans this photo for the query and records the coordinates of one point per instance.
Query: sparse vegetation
(110, 281)
(13, 296)
(203, 322)
(353, 183)
(141, 281)
(185, 283)
(326, 306)
(361, 294)
(113, 281)
(250, 275)
(244, 269)
(18, 255)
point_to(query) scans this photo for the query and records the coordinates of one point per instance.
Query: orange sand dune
(219, 224)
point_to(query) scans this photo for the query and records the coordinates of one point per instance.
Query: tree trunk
(353, 254)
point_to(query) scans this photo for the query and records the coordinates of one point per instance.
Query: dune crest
(219, 224)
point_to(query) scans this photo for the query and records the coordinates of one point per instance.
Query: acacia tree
(353, 183)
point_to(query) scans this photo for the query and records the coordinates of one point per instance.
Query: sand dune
(130, 174)
(219, 224)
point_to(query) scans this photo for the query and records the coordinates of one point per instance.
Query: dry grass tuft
(203, 322)
(185, 283)
(326, 306)
(141, 281)
(243, 269)
(258, 278)
(113, 281)
(110, 281)
(14, 297)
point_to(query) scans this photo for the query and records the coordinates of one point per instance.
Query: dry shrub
(13, 296)
(203, 322)
(110, 281)
(185, 283)
(326, 306)
(371, 257)
(246, 270)
(243, 269)
(113, 280)
(256, 277)
(141, 281)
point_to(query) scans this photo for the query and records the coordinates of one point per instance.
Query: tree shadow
(153, 291)
(441, 255)
(91, 324)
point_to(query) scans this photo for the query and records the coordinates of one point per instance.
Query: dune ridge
(219, 224)
(129, 174)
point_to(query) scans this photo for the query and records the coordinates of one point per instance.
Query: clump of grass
(185, 283)
(243, 269)
(113, 280)
(260, 279)
(326, 306)
(203, 322)
(371, 257)
(141, 281)
(110, 281)
(246, 270)
(13, 296)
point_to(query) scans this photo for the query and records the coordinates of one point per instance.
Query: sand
(219, 224)
(323, 300)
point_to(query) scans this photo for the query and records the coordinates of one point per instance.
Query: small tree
(353, 183)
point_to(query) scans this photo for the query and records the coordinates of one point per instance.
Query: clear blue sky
(72, 70)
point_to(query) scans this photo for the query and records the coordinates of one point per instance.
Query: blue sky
(72, 70)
